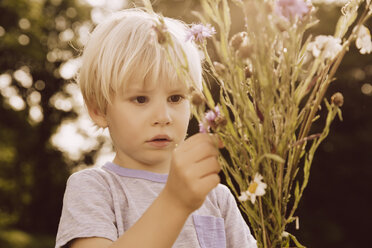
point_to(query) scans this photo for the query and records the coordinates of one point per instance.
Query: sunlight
(69, 69)
(366, 89)
(5, 80)
(17, 103)
(2, 31)
(23, 76)
(36, 114)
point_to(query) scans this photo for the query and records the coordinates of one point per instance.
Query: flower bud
(220, 121)
(196, 98)
(238, 39)
(337, 99)
(268, 8)
(281, 26)
(247, 72)
(245, 50)
(220, 68)
(160, 33)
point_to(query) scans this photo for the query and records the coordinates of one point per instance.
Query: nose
(162, 115)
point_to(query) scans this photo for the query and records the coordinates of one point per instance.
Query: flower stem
(262, 223)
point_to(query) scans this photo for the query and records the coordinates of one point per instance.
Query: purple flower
(209, 120)
(202, 128)
(211, 115)
(199, 32)
(291, 8)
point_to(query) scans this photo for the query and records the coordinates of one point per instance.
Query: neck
(160, 168)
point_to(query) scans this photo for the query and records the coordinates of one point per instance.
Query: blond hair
(125, 48)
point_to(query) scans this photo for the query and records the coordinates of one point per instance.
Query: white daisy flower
(255, 188)
(363, 41)
(326, 44)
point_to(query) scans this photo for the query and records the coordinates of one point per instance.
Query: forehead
(160, 76)
(155, 85)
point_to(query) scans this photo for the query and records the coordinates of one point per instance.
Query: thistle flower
(326, 44)
(291, 8)
(203, 128)
(211, 115)
(212, 119)
(256, 188)
(363, 41)
(199, 32)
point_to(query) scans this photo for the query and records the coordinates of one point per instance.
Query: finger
(199, 138)
(205, 167)
(210, 137)
(197, 152)
(206, 184)
(217, 141)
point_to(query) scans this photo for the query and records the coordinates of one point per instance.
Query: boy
(160, 190)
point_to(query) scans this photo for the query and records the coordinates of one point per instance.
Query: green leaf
(271, 156)
(297, 190)
(296, 241)
(226, 16)
(208, 10)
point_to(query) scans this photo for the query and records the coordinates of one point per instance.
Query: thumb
(217, 141)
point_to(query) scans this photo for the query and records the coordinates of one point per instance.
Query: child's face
(146, 123)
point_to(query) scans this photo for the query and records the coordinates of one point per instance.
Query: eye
(140, 99)
(175, 98)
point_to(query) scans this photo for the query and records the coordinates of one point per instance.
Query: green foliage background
(334, 211)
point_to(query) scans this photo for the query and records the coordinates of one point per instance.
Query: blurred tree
(35, 41)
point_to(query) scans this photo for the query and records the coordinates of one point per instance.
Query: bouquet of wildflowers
(272, 82)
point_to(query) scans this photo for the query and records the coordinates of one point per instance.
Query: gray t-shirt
(105, 202)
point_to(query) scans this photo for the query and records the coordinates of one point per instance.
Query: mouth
(160, 141)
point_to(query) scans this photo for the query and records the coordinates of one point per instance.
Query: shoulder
(89, 180)
(89, 175)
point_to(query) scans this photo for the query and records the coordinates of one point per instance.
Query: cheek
(184, 118)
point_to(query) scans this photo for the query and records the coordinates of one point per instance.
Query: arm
(158, 227)
(193, 174)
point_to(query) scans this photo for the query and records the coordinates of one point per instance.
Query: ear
(97, 116)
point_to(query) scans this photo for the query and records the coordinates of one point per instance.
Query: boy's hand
(194, 172)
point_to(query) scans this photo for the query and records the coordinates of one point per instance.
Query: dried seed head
(197, 98)
(248, 72)
(238, 39)
(268, 8)
(191, 89)
(281, 26)
(160, 31)
(245, 51)
(220, 121)
(337, 99)
(220, 68)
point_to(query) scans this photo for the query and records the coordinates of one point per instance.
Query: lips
(160, 141)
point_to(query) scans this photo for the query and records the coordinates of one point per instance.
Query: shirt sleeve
(237, 230)
(87, 209)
